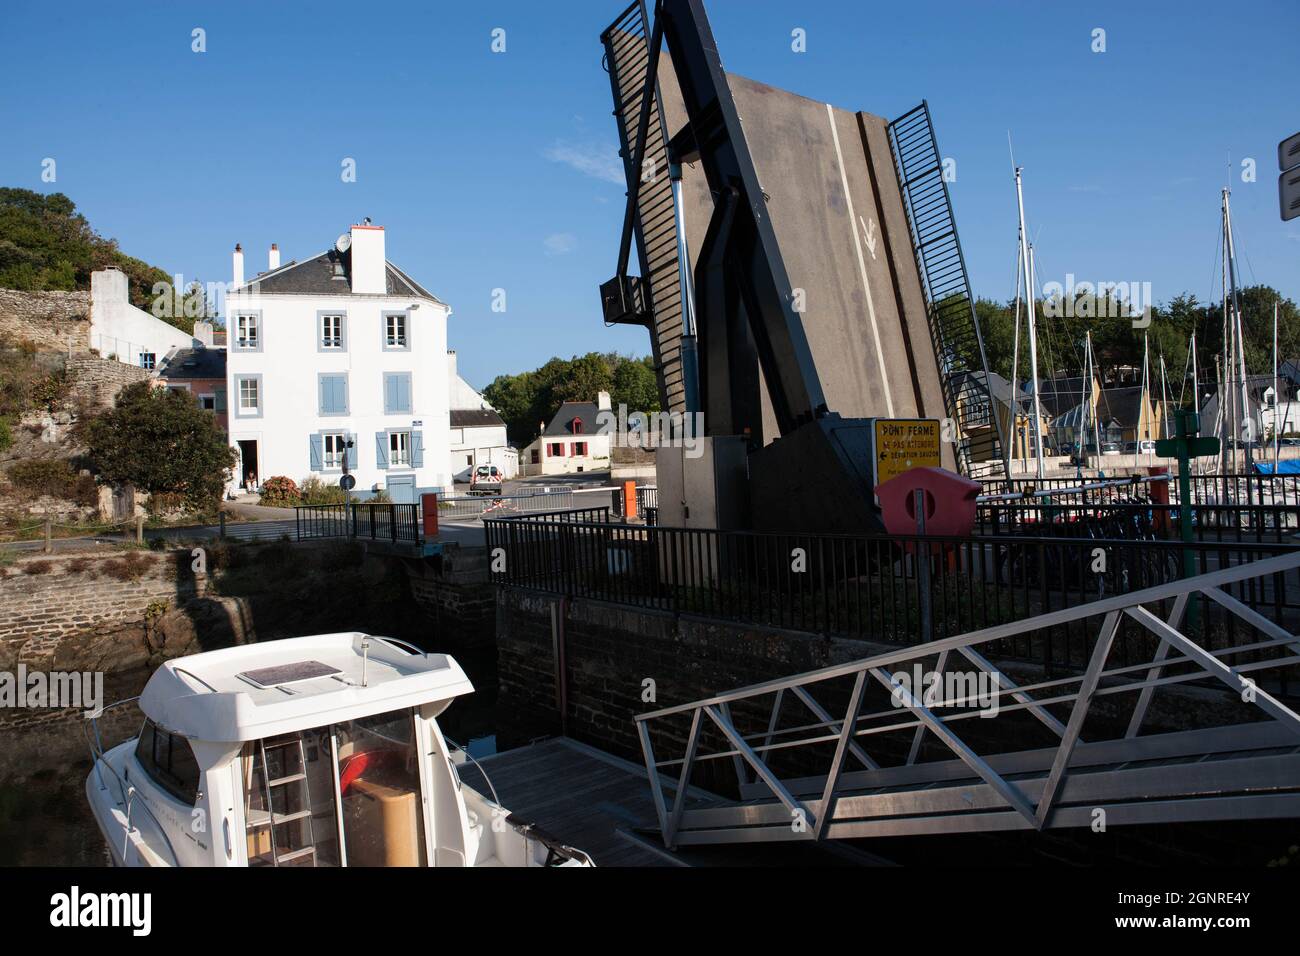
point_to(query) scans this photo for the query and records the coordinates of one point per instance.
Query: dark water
(44, 818)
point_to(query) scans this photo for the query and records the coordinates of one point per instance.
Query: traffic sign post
(1186, 445)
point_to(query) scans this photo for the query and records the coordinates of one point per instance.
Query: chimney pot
(237, 264)
(273, 260)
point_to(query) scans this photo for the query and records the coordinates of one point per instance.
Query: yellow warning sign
(903, 444)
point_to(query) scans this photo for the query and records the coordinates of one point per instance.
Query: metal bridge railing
(887, 588)
(843, 773)
(396, 523)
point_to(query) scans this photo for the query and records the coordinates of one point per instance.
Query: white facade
(478, 436)
(571, 443)
(118, 329)
(313, 362)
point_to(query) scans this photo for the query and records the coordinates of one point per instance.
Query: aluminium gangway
(827, 776)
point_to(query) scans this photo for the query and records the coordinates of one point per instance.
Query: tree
(162, 442)
(526, 400)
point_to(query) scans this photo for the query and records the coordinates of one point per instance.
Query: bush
(279, 492)
(56, 478)
(130, 567)
(6, 434)
(381, 497)
(313, 491)
(38, 567)
(163, 503)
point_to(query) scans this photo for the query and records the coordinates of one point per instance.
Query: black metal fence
(896, 589)
(1236, 490)
(396, 523)
(1138, 520)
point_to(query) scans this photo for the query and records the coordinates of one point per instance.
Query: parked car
(486, 480)
(1110, 448)
(1146, 446)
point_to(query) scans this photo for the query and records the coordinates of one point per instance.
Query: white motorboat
(312, 751)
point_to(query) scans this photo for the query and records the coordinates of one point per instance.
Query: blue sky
(498, 170)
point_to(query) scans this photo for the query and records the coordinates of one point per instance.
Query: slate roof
(474, 418)
(321, 275)
(587, 411)
(184, 364)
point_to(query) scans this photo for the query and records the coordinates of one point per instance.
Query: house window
(333, 389)
(397, 392)
(399, 448)
(148, 360)
(248, 332)
(331, 332)
(395, 336)
(577, 426)
(537, 457)
(335, 448)
(208, 403)
(555, 449)
(250, 395)
(579, 448)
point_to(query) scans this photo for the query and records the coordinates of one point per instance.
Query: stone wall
(97, 380)
(456, 595)
(54, 321)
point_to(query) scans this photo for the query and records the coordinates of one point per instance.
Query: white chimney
(203, 334)
(273, 261)
(602, 400)
(369, 269)
(451, 366)
(238, 261)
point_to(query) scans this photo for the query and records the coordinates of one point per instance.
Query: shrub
(38, 567)
(279, 492)
(129, 567)
(381, 497)
(56, 478)
(6, 434)
(313, 491)
(83, 566)
(162, 503)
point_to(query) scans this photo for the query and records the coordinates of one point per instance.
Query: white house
(120, 330)
(341, 353)
(570, 443)
(478, 435)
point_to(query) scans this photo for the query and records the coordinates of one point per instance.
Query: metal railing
(397, 523)
(1240, 490)
(890, 588)
(1138, 520)
(479, 506)
(1256, 771)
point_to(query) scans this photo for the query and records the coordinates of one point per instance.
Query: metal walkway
(911, 766)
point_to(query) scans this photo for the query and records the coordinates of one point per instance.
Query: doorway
(248, 464)
(401, 488)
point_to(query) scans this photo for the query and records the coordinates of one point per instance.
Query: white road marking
(862, 265)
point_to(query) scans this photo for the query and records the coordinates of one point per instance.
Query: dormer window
(576, 426)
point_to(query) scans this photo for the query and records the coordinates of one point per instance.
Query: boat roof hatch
(262, 690)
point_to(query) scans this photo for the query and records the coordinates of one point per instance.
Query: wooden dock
(595, 802)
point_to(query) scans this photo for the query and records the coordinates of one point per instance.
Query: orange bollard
(1160, 499)
(429, 514)
(629, 499)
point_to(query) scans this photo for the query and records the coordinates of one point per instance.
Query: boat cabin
(312, 751)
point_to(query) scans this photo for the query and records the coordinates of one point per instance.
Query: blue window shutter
(341, 394)
(381, 449)
(324, 387)
(317, 455)
(390, 399)
(220, 399)
(404, 386)
(351, 454)
(417, 449)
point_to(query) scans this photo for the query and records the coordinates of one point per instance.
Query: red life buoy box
(949, 502)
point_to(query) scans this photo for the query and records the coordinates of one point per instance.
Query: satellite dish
(343, 242)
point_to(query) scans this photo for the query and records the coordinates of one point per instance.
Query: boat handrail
(125, 791)
(189, 673)
(401, 645)
(479, 767)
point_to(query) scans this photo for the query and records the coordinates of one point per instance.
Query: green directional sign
(1197, 447)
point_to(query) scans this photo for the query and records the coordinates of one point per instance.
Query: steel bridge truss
(820, 779)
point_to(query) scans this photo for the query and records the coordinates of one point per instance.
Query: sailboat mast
(1276, 396)
(1013, 411)
(1026, 258)
(1236, 323)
